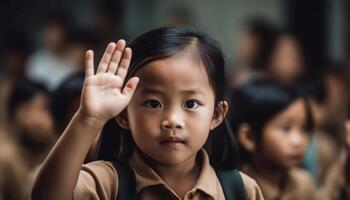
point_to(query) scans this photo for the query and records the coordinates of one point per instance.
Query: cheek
(22, 117)
(305, 142)
(141, 121)
(273, 140)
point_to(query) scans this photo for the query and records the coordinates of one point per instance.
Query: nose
(172, 120)
(298, 139)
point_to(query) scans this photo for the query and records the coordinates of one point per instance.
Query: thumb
(130, 86)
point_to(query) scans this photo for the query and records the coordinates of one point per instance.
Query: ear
(245, 137)
(219, 114)
(122, 120)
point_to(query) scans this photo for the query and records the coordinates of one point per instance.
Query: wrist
(89, 121)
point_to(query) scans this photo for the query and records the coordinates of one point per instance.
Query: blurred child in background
(328, 97)
(273, 125)
(254, 40)
(281, 57)
(27, 138)
(30, 120)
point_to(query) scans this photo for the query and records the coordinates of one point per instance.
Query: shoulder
(251, 187)
(335, 182)
(99, 168)
(303, 182)
(301, 176)
(97, 180)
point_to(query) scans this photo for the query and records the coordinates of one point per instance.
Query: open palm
(103, 95)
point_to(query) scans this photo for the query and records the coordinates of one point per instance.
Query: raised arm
(103, 97)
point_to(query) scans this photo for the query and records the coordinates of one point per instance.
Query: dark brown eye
(191, 104)
(153, 104)
(286, 127)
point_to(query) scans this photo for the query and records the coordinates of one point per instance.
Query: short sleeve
(251, 187)
(97, 181)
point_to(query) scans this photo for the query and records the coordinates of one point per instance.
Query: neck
(272, 173)
(180, 177)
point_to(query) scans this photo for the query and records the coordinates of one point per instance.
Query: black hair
(57, 17)
(265, 32)
(258, 101)
(64, 98)
(22, 92)
(162, 43)
(268, 45)
(315, 85)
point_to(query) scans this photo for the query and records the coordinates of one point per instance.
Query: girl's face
(171, 112)
(285, 138)
(34, 120)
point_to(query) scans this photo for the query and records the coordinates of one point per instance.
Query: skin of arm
(103, 97)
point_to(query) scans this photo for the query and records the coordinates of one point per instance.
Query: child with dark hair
(30, 119)
(49, 64)
(254, 41)
(172, 141)
(273, 125)
(328, 97)
(281, 57)
(29, 136)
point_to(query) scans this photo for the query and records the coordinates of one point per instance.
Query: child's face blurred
(248, 46)
(34, 120)
(286, 61)
(53, 35)
(285, 138)
(171, 112)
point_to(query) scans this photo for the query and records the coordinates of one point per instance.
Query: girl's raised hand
(103, 96)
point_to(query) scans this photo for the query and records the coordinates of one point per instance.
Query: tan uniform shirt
(298, 185)
(12, 169)
(98, 180)
(335, 187)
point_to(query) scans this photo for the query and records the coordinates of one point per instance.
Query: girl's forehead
(178, 71)
(295, 111)
(184, 65)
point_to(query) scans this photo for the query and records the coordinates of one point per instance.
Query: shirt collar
(145, 176)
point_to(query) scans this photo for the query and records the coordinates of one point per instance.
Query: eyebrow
(151, 91)
(146, 91)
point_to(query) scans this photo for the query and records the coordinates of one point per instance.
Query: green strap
(126, 182)
(232, 184)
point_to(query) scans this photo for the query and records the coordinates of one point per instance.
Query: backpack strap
(231, 181)
(232, 184)
(126, 182)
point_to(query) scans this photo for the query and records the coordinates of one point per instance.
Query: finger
(124, 63)
(89, 63)
(130, 86)
(102, 67)
(113, 64)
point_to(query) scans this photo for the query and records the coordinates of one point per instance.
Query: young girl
(273, 123)
(169, 102)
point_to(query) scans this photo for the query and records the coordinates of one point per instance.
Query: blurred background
(321, 25)
(42, 47)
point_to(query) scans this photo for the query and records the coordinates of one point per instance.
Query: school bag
(231, 182)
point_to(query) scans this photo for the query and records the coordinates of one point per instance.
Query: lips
(297, 158)
(173, 142)
(172, 139)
